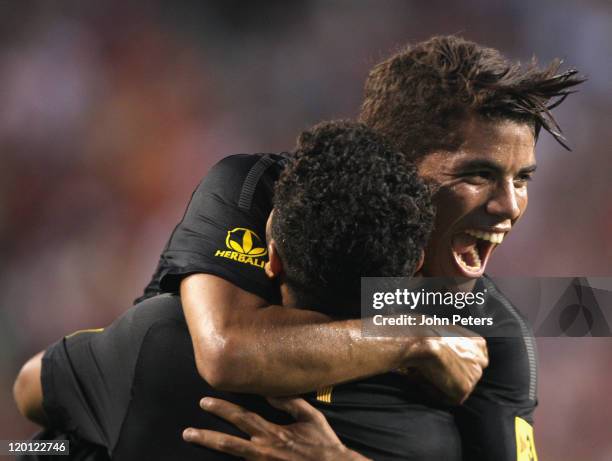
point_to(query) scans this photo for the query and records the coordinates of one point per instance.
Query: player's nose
(504, 201)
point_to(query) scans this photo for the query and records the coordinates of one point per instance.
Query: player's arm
(309, 438)
(494, 430)
(27, 390)
(496, 421)
(49, 390)
(243, 345)
(73, 386)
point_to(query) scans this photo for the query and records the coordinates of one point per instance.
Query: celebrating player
(141, 411)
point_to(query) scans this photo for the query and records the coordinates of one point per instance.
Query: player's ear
(274, 266)
(419, 265)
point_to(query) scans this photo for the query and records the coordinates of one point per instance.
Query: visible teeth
(476, 258)
(494, 237)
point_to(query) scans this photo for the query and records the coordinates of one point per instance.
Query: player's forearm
(283, 351)
(242, 345)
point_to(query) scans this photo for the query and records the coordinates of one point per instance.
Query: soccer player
(470, 120)
(141, 411)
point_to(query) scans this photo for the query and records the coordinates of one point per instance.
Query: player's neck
(288, 297)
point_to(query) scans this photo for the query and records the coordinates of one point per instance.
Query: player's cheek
(522, 200)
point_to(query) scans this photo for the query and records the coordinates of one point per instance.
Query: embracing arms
(242, 345)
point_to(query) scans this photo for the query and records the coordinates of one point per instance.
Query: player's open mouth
(472, 249)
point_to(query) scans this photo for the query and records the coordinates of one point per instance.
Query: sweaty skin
(278, 350)
(244, 345)
(453, 367)
(482, 190)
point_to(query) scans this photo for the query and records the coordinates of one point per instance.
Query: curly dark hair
(420, 95)
(347, 206)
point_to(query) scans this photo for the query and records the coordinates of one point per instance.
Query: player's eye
(523, 179)
(478, 176)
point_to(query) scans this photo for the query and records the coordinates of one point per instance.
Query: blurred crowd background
(112, 111)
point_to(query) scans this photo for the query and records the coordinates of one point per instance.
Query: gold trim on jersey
(324, 394)
(89, 330)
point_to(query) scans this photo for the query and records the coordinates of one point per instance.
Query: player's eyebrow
(478, 164)
(528, 169)
(486, 164)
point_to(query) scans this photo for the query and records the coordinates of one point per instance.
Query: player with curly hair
(321, 241)
(343, 203)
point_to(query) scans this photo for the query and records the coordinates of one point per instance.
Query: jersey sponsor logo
(525, 445)
(244, 246)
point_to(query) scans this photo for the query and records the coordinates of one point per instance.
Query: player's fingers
(221, 442)
(248, 422)
(483, 352)
(299, 408)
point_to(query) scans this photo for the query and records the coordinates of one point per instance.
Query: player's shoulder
(242, 179)
(127, 331)
(512, 350)
(136, 323)
(239, 165)
(509, 319)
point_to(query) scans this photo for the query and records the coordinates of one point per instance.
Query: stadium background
(112, 111)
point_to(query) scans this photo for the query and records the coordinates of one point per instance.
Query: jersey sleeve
(496, 422)
(223, 229)
(87, 377)
(64, 399)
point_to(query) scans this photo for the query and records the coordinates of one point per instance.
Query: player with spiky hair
(469, 119)
(464, 113)
(434, 86)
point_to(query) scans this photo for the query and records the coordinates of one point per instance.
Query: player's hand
(453, 362)
(310, 438)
